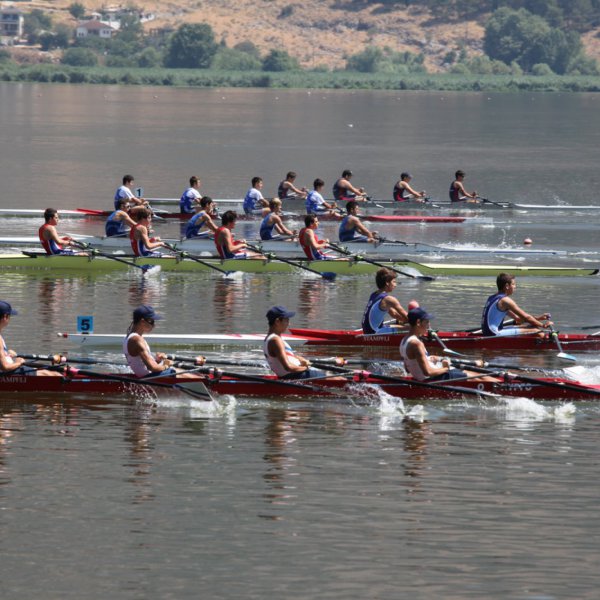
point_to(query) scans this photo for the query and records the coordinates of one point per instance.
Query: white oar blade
(194, 388)
(565, 356)
(452, 352)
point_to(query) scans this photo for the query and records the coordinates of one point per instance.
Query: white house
(94, 28)
(11, 23)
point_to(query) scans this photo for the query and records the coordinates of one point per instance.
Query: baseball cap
(418, 314)
(145, 311)
(6, 309)
(279, 312)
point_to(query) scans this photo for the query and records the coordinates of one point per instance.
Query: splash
(525, 411)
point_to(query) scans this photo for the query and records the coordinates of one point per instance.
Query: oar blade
(328, 275)
(196, 389)
(151, 270)
(452, 352)
(565, 356)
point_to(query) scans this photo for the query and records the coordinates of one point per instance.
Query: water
(169, 498)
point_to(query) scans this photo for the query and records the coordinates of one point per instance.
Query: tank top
(346, 235)
(492, 317)
(340, 193)
(138, 246)
(284, 192)
(454, 193)
(266, 228)
(400, 193)
(113, 227)
(8, 357)
(195, 225)
(50, 246)
(275, 363)
(311, 253)
(373, 317)
(136, 364)
(411, 364)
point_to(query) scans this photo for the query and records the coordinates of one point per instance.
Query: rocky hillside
(317, 32)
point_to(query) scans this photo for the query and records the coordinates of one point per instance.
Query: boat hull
(350, 267)
(289, 249)
(455, 340)
(356, 388)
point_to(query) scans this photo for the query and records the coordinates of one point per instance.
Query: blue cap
(418, 314)
(279, 312)
(6, 309)
(145, 311)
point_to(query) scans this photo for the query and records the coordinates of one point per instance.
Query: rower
(51, 241)
(382, 304)
(116, 223)
(403, 192)
(191, 197)
(499, 305)
(282, 360)
(343, 190)
(351, 224)
(417, 360)
(273, 221)
(137, 351)
(141, 243)
(315, 203)
(287, 190)
(309, 241)
(202, 224)
(9, 361)
(124, 192)
(254, 202)
(457, 191)
(227, 246)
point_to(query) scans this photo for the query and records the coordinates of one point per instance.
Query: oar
(439, 340)
(561, 385)
(378, 264)
(561, 353)
(186, 360)
(256, 378)
(498, 204)
(193, 257)
(494, 365)
(65, 358)
(196, 389)
(146, 269)
(330, 276)
(409, 382)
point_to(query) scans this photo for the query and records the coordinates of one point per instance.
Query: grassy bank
(297, 79)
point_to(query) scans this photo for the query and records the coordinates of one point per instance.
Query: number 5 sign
(85, 324)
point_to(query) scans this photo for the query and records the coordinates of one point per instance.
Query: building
(94, 29)
(11, 24)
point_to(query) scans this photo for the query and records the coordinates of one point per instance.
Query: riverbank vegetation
(527, 45)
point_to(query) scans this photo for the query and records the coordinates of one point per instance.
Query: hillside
(317, 32)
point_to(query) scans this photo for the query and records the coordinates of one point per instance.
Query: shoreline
(342, 80)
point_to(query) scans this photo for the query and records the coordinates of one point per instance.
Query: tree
(280, 60)
(230, 59)
(529, 40)
(35, 23)
(192, 46)
(79, 57)
(77, 10)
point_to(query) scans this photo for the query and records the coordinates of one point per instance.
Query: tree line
(537, 37)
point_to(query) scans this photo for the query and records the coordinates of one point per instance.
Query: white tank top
(136, 364)
(274, 362)
(8, 357)
(411, 364)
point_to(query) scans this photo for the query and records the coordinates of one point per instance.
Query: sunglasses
(149, 321)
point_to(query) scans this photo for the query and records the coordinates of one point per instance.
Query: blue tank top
(492, 317)
(346, 235)
(113, 227)
(195, 225)
(266, 229)
(373, 316)
(186, 201)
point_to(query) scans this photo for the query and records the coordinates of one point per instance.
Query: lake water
(171, 498)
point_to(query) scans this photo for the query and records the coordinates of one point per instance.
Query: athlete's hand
(200, 360)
